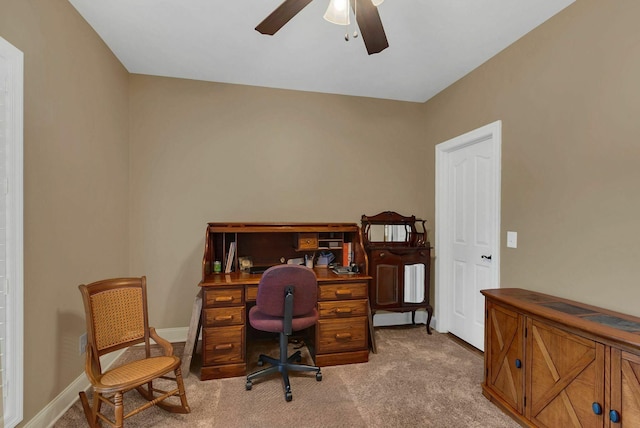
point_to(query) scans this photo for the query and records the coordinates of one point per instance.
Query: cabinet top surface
(282, 227)
(594, 320)
(242, 278)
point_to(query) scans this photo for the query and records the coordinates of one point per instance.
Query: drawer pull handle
(342, 293)
(343, 310)
(223, 299)
(224, 318)
(614, 416)
(597, 408)
(381, 255)
(518, 363)
(343, 336)
(223, 347)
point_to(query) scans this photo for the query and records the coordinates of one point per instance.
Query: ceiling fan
(366, 14)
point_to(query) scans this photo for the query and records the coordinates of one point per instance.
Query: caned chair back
(116, 313)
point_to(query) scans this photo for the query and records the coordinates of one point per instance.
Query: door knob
(486, 257)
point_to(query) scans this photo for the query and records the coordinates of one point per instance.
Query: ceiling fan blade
(370, 26)
(283, 13)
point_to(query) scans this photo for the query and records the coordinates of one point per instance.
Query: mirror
(388, 233)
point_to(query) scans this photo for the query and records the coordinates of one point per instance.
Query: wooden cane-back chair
(117, 318)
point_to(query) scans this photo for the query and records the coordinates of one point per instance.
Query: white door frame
(14, 286)
(444, 224)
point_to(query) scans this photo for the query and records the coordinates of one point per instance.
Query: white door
(467, 235)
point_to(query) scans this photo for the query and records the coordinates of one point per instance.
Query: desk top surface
(242, 278)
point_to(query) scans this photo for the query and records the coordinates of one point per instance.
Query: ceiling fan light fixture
(338, 12)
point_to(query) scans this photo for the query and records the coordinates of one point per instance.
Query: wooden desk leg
(372, 332)
(192, 336)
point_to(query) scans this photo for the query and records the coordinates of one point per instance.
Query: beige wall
(122, 179)
(76, 182)
(204, 152)
(569, 98)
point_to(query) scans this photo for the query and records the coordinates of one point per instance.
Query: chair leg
(118, 410)
(92, 417)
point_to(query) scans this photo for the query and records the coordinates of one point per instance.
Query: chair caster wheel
(318, 376)
(260, 363)
(288, 396)
(248, 385)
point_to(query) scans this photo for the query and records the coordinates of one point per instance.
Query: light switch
(512, 239)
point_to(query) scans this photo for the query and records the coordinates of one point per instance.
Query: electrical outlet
(82, 343)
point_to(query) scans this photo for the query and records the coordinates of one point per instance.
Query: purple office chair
(286, 302)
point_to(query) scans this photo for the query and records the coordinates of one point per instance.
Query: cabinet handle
(342, 293)
(614, 416)
(343, 336)
(518, 363)
(343, 310)
(224, 299)
(381, 255)
(223, 318)
(597, 408)
(223, 347)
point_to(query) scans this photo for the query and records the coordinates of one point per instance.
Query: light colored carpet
(414, 380)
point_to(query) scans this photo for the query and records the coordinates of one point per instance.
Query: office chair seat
(263, 322)
(286, 302)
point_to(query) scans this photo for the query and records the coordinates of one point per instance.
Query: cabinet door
(625, 389)
(504, 354)
(565, 378)
(387, 277)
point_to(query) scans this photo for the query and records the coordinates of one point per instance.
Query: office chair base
(283, 366)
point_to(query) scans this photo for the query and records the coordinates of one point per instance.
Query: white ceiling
(432, 43)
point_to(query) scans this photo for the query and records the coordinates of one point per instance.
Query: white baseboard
(56, 408)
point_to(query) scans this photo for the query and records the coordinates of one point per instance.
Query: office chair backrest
(276, 279)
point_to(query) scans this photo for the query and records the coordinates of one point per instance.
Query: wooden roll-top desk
(341, 334)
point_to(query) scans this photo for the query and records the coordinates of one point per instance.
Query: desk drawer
(252, 293)
(307, 241)
(340, 335)
(223, 345)
(344, 291)
(342, 308)
(216, 317)
(223, 297)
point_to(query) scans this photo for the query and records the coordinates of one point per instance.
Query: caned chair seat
(138, 371)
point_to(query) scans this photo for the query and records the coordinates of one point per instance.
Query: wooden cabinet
(399, 263)
(341, 334)
(552, 362)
